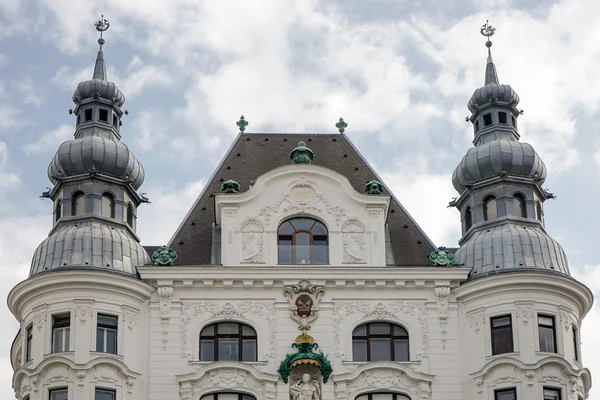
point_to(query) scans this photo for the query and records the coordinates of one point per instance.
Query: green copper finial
(242, 124)
(164, 256)
(341, 125)
(230, 186)
(441, 256)
(301, 154)
(374, 187)
(308, 353)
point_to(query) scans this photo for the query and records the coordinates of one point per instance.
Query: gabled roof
(253, 154)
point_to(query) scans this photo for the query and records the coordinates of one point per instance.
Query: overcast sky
(400, 72)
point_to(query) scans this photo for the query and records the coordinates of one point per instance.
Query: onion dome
(99, 154)
(498, 157)
(89, 244)
(511, 247)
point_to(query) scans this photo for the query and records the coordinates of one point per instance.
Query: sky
(400, 72)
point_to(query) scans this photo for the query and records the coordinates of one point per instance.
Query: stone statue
(305, 390)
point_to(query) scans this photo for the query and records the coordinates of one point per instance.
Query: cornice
(252, 277)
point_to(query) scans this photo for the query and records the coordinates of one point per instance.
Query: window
(228, 341)
(115, 121)
(380, 341)
(538, 211)
(490, 208)
(130, 215)
(382, 396)
(61, 331)
(57, 211)
(105, 394)
(505, 394)
(302, 241)
(103, 115)
(502, 117)
(547, 333)
(108, 205)
(487, 119)
(106, 334)
(59, 394)
(228, 396)
(519, 206)
(78, 204)
(28, 343)
(88, 114)
(514, 121)
(575, 343)
(502, 337)
(78, 120)
(476, 126)
(551, 394)
(468, 219)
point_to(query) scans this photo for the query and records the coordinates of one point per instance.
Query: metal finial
(242, 124)
(101, 25)
(341, 125)
(487, 30)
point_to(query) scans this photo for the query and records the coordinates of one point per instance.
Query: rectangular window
(103, 115)
(115, 121)
(502, 117)
(78, 120)
(502, 337)
(575, 343)
(487, 119)
(505, 394)
(547, 333)
(514, 121)
(28, 342)
(106, 334)
(552, 394)
(476, 126)
(61, 332)
(105, 394)
(88, 114)
(59, 394)
(285, 249)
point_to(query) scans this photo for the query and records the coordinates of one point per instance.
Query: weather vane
(488, 30)
(101, 25)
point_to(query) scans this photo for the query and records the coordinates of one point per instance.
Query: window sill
(199, 363)
(546, 353)
(511, 354)
(357, 363)
(102, 354)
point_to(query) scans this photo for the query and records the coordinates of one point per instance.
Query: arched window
(228, 396)
(382, 396)
(490, 208)
(519, 206)
(302, 241)
(468, 219)
(57, 211)
(380, 341)
(108, 205)
(538, 211)
(130, 215)
(78, 204)
(228, 341)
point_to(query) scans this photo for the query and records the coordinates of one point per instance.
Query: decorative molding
(304, 299)
(130, 318)
(442, 294)
(477, 320)
(252, 241)
(565, 317)
(353, 240)
(165, 295)
(524, 313)
(39, 319)
(83, 312)
(381, 311)
(228, 311)
(374, 212)
(230, 211)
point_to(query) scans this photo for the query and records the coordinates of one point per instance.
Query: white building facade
(293, 248)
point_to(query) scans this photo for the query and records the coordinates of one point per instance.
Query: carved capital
(165, 294)
(477, 320)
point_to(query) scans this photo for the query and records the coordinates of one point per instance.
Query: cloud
(8, 179)
(28, 92)
(48, 142)
(149, 128)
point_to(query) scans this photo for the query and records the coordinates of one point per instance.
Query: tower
(83, 287)
(522, 311)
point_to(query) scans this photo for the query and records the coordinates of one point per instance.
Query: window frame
(61, 322)
(494, 330)
(28, 343)
(57, 211)
(91, 114)
(468, 218)
(488, 199)
(106, 327)
(553, 330)
(552, 389)
(129, 215)
(106, 390)
(491, 120)
(57, 390)
(576, 350)
(520, 198)
(215, 396)
(312, 237)
(500, 114)
(392, 336)
(369, 396)
(103, 111)
(240, 336)
(75, 199)
(499, 391)
(111, 204)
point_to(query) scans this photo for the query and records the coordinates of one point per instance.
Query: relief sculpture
(252, 241)
(353, 237)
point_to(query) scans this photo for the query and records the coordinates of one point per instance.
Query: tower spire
(491, 76)
(100, 68)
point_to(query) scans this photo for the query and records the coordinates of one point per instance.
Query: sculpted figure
(305, 390)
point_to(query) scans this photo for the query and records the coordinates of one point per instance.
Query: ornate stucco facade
(298, 244)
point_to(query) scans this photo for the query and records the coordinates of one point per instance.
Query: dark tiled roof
(151, 249)
(253, 154)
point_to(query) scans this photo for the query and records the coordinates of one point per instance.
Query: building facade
(298, 275)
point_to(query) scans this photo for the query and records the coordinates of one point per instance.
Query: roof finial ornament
(242, 124)
(101, 25)
(341, 125)
(491, 76)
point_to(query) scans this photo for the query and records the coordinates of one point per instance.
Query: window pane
(551, 394)
(320, 250)
(547, 339)
(502, 117)
(208, 331)
(59, 394)
(228, 328)
(302, 248)
(500, 322)
(108, 206)
(302, 224)
(502, 340)
(509, 394)
(103, 394)
(103, 115)
(248, 331)
(111, 341)
(286, 229)
(107, 320)
(249, 350)
(519, 206)
(228, 396)
(248, 397)
(100, 339)
(359, 350)
(285, 250)
(548, 321)
(228, 349)
(207, 350)
(401, 350)
(382, 396)
(487, 119)
(380, 349)
(360, 331)
(319, 229)
(491, 209)
(379, 329)
(399, 331)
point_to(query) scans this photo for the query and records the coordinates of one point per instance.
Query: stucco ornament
(164, 256)
(441, 256)
(308, 354)
(304, 299)
(353, 239)
(252, 241)
(305, 389)
(301, 154)
(374, 187)
(230, 186)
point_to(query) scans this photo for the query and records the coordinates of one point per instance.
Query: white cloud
(49, 142)
(28, 92)
(8, 179)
